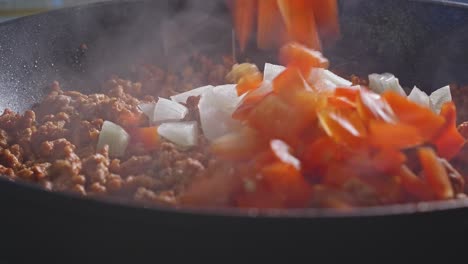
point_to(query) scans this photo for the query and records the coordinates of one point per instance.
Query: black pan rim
(309, 213)
(395, 210)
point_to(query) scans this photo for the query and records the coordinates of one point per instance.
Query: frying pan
(421, 42)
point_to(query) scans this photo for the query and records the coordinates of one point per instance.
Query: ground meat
(54, 143)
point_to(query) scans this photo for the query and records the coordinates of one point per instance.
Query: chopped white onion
(184, 134)
(420, 97)
(440, 97)
(167, 110)
(380, 83)
(115, 137)
(148, 110)
(324, 85)
(318, 75)
(216, 107)
(271, 71)
(182, 97)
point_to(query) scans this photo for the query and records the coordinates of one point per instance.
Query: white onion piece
(440, 97)
(271, 71)
(318, 74)
(184, 134)
(167, 110)
(227, 97)
(216, 107)
(148, 110)
(324, 85)
(182, 97)
(115, 137)
(420, 97)
(380, 83)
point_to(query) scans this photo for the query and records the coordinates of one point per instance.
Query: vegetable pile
(309, 138)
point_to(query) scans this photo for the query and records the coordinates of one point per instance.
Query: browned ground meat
(54, 144)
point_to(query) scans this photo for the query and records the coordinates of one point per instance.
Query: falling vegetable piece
(271, 30)
(287, 83)
(326, 17)
(297, 55)
(300, 22)
(244, 17)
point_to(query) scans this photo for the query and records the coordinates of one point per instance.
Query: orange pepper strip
(288, 83)
(326, 16)
(239, 145)
(298, 55)
(244, 17)
(300, 22)
(348, 93)
(276, 119)
(270, 25)
(148, 136)
(341, 102)
(413, 114)
(395, 136)
(450, 142)
(285, 180)
(414, 185)
(388, 160)
(344, 126)
(435, 173)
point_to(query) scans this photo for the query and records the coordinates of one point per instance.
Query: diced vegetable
(240, 70)
(271, 71)
(326, 16)
(427, 122)
(435, 174)
(184, 134)
(288, 83)
(148, 110)
(115, 137)
(380, 83)
(242, 144)
(343, 126)
(371, 106)
(450, 141)
(244, 17)
(300, 22)
(396, 136)
(216, 107)
(440, 97)
(148, 136)
(182, 97)
(420, 97)
(282, 152)
(319, 74)
(270, 28)
(167, 110)
(249, 82)
(297, 55)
